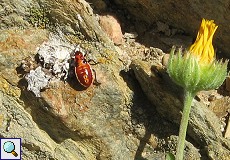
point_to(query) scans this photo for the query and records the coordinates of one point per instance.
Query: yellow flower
(197, 69)
(202, 47)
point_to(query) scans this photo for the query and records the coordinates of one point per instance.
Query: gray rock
(184, 15)
(204, 126)
(111, 121)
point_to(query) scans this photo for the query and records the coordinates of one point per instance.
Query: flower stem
(184, 124)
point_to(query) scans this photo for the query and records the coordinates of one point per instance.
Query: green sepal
(213, 75)
(169, 156)
(186, 71)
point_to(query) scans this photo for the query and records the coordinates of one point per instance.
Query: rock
(37, 80)
(130, 35)
(54, 126)
(112, 27)
(53, 64)
(190, 152)
(227, 132)
(67, 121)
(153, 54)
(35, 142)
(113, 121)
(162, 27)
(228, 83)
(99, 5)
(204, 126)
(165, 59)
(220, 106)
(58, 112)
(184, 15)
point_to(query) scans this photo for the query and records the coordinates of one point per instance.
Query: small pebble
(211, 98)
(165, 59)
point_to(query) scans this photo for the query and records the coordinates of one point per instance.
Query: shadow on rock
(38, 109)
(147, 124)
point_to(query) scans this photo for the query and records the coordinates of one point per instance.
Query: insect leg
(95, 80)
(94, 62)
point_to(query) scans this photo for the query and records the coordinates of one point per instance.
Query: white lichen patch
(37, 80)
(54, 56)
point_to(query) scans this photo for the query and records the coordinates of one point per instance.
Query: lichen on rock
(37, 80)
(54, 57)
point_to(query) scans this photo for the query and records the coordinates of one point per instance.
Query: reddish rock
(112, 27)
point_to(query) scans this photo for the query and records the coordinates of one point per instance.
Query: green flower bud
(197, 69)
(213, 75)
(186, 71)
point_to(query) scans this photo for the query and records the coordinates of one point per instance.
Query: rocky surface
(184, 16)
(204, 125)
(131, 115)
(112, 27)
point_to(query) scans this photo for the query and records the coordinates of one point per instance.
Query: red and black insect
(83, 70)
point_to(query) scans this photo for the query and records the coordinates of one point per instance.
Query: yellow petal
(202, 47)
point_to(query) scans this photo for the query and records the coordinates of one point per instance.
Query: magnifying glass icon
(9, 147)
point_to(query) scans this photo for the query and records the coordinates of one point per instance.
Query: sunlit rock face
(114, 120)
